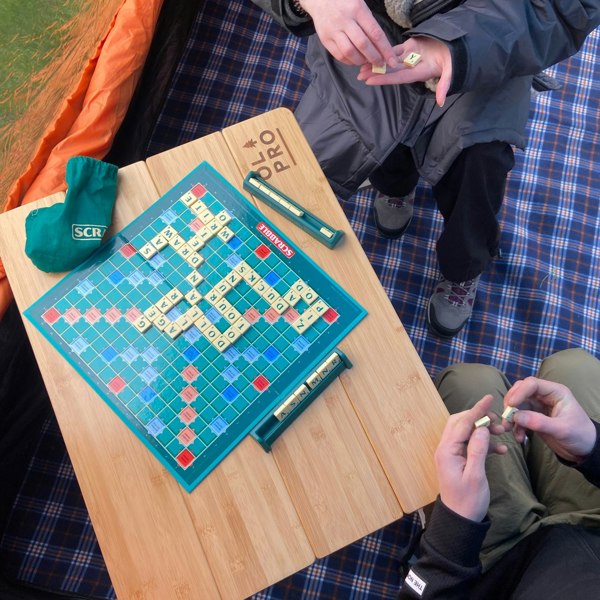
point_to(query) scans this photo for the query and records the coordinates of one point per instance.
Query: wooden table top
(354, 461)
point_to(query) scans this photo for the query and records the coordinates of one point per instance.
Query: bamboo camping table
(358, 458)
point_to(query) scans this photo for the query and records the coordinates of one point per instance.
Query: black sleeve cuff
(454, 536)
(589, 467)
(296, 8)
(298, 25)
(458, 51)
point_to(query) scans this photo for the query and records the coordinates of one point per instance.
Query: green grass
(45, 46)
(30, 33)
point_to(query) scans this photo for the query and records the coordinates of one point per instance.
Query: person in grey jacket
(451, 119)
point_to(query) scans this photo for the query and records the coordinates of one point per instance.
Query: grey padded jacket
(496, 47)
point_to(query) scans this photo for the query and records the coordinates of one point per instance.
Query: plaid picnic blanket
(539, 297)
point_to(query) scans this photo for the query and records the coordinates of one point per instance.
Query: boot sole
(439, 330)
(392, 234)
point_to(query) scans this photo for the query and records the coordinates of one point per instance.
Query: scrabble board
(195, 322)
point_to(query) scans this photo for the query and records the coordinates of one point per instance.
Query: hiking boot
(451, 305)
(393, 214)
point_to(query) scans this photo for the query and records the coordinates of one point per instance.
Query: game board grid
(178, 410)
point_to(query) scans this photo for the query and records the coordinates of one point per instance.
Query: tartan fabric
(539, 297)
(238, 63)
(49, 542)
(366, 570)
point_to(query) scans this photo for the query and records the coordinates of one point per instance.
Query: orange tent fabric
(93, 112)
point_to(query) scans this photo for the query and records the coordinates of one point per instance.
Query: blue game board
(195, 321)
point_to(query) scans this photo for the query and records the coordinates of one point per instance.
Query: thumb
(477, 450)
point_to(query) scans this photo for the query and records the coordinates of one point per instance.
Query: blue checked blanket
(539, 297)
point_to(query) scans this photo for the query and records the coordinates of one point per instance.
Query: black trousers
(469, 197)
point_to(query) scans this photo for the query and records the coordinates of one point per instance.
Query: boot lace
(459, 294)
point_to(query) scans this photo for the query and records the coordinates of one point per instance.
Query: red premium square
(186, 436)
(72, 316)
(330, 315)
(271, 315)
(262, 251)
(189, 393)
(196, 225)
(127, 250)
(252, 315)
(261, 383)
(190, 373)
(116, 384)
(113, 315)
(290, 315)
(198, 190)
(51, 316)
(185, 458)
(133, 314)
(92, 315)
(187, 414)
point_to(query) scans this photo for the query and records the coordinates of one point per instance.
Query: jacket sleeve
(590, 467)
(493, 41)
(449, 557)
(282, 13)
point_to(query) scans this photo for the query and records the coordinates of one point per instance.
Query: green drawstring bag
(63, 235)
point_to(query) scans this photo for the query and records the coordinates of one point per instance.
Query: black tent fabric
(24, 406)
(234, 58)
(168, 44)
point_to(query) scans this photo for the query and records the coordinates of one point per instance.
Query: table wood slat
(389, 387)
(251, 539)
(353, 497)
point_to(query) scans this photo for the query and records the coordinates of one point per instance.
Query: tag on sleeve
(415, 583)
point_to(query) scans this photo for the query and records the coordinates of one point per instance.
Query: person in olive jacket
(451, 119)
(516, 520)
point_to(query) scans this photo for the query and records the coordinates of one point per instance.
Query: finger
(400, 74)
(538, 422)
(497, 428)
(549, 393)
(533, 391)
(520, 433)
(441, 90)
(365, 72)
(351, 45)
(346, 51)
(363, 45)
(482, 408)
(378, 41)
(459, 428)
(496, 448)
(519, 395)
